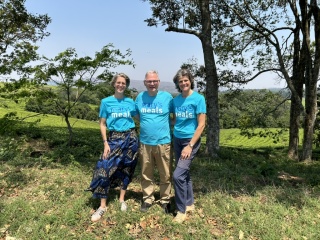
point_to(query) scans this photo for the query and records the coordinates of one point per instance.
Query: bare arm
(172, 119)
(103, 130)
(137, 117)
(186, 151)
(200, 128)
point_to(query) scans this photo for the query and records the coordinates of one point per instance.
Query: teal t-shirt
(186, 111)
(154, 114)
(118, 113)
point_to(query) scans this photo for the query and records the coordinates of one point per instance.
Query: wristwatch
(190, 145)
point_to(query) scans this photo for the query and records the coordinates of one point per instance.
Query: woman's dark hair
(115, 77)
(183, 73)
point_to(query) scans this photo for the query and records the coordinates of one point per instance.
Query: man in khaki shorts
(154, 108)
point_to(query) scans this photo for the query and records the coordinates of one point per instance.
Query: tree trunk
(312, 72)
(293, 152)
(66, 118)
(310, 118)
(298, 70)
(213, 129)
(212, 86)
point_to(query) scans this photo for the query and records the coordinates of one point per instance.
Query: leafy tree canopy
(19, 32)
(74, 75)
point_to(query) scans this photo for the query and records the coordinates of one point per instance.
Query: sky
(87, 26)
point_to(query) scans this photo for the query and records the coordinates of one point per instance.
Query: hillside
(164, 86)
(169, 87)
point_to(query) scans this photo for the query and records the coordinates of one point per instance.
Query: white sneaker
(123, 207)
(98, 214)
(180, 217)
(190, 208)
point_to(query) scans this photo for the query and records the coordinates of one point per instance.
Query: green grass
(233, 138)
(251, 192)
(7, 106)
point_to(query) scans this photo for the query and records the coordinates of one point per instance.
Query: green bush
(84, 111)
(79, 111)
(41, 106)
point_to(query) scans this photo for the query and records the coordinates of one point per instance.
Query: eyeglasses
(151, 81)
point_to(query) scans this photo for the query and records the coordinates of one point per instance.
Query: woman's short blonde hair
(115, 77)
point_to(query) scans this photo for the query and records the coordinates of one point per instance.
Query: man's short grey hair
(150, 72)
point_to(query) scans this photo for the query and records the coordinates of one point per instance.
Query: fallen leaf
(48, 227)
(143, 225)
(5, 228)
(128, 226)
(212, 221)
(241, 235)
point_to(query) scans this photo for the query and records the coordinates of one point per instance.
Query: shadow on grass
(248, 171)
(85, 149)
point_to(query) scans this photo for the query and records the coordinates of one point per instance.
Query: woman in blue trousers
(190, 116)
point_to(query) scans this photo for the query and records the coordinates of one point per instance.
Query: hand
(186, 153)
(106, 151)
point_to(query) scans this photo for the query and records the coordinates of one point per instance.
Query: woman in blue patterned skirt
(120, 154)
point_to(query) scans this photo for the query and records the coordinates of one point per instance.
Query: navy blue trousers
(181, 175)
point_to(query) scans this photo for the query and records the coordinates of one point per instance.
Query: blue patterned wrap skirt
(118, 169)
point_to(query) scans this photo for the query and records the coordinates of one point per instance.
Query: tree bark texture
(310, 117)
(212, 86)
(298, 69)
(293, 151)
(309, 10)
